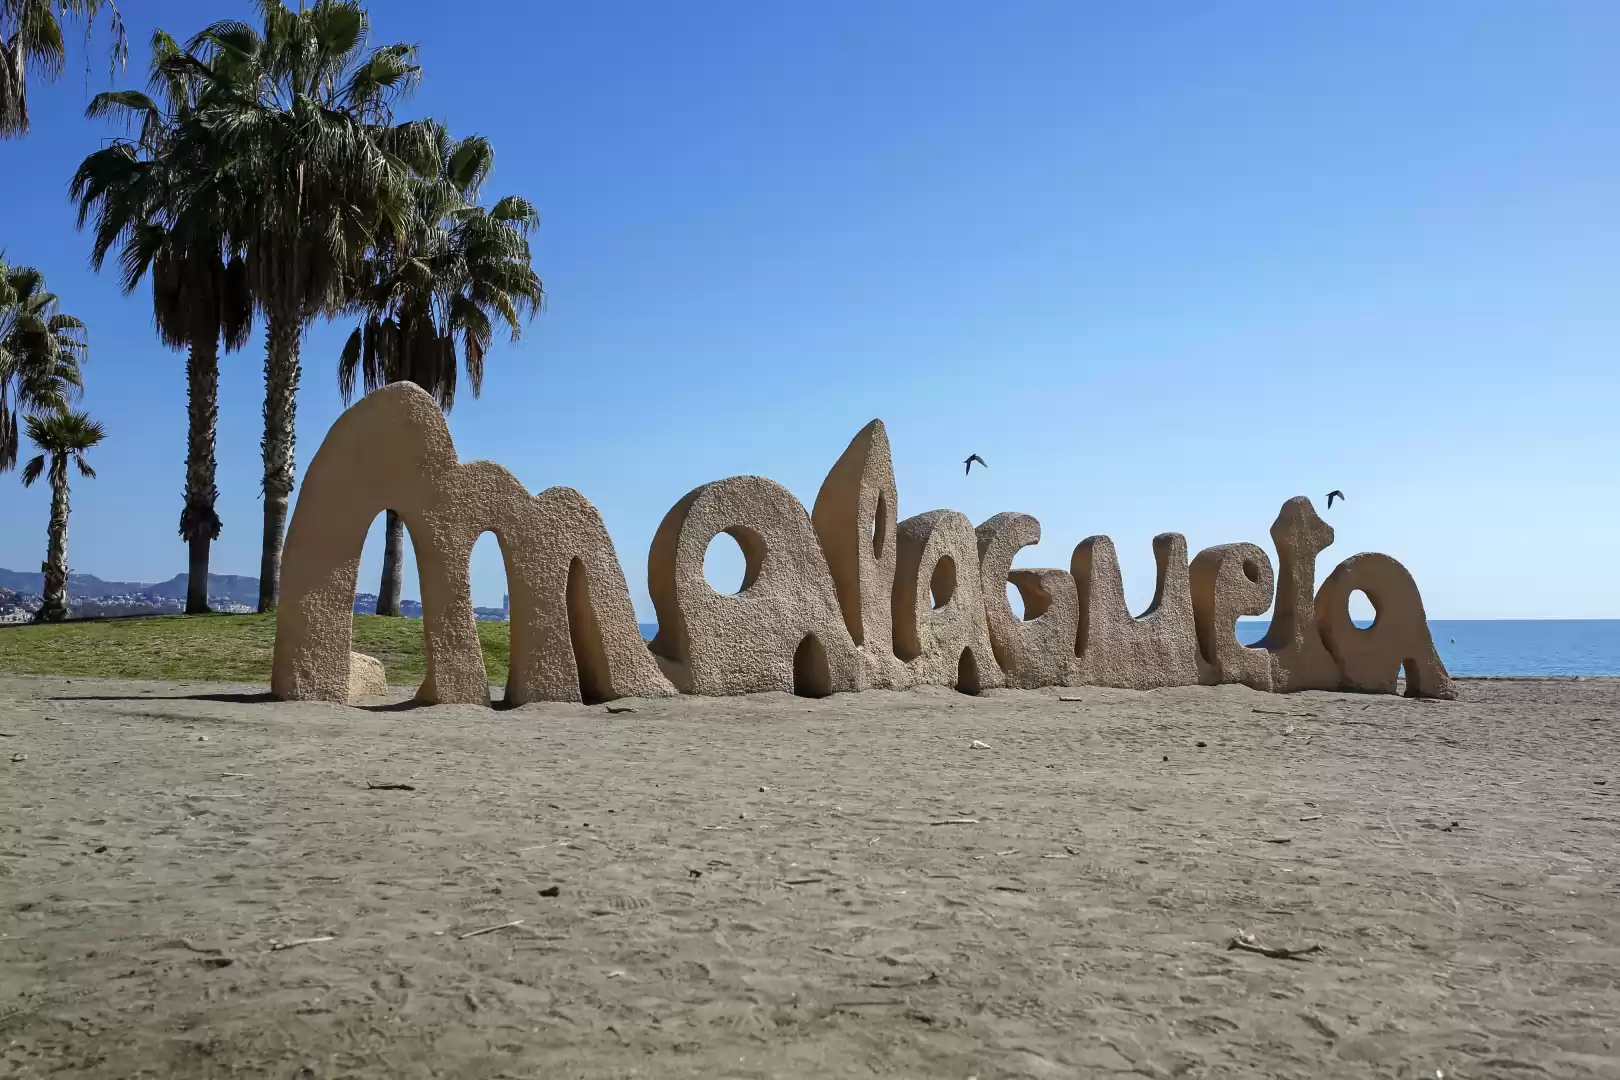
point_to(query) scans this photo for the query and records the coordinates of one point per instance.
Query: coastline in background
(1499, 647)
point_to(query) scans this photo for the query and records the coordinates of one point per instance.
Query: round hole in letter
(880, 525)
(942, 586)
(726, 562)
(1363, 612)
(1251, 570)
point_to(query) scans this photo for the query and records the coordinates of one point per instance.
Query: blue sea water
(1495, 646)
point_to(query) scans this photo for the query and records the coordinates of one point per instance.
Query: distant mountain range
(241, 590)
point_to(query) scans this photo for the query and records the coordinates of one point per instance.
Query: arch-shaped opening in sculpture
(1251, 570)
(880, 525)
(585, 635)
(373, 563)
(942, 583)
(719, 562)
(487, 565)
(967, 674)
(812, 675)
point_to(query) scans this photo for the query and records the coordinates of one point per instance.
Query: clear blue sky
(1162, 264)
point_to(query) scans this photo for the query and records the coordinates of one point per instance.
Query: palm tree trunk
(393, 573)
(55, 568)
(280, 414)
(199, 522)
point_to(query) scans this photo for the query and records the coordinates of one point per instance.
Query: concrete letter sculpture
(1230, 581)
(1371, 659)
(939, 620)
(855, 519)
(392, 451)
(1159, 648)
(1299, 660)
(1033, 651)
(846, 598)
(782, 631)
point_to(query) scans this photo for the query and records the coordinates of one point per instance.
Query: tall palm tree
(302, 112)
(60, 436)
(31, 37)
(41, 350)
(165, 203)
(436, 289)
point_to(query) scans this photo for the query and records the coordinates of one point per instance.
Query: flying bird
(1334, 495)
(975, 457)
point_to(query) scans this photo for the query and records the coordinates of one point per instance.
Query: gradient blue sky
(1162, 264)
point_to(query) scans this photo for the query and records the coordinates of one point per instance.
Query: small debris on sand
(489, 929)
(388, 787)
(977, 745)
(1246, 942)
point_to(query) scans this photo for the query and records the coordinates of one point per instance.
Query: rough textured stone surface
(844, 599)
(939, 625)
(784, 630)
(1230, 581)
(1033, 651)
(855, 519)
(1370, 659)
(1299, 660)
(1158, 648)
(392, 451)
(367, 679)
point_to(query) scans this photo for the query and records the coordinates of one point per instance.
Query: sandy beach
(195, 882)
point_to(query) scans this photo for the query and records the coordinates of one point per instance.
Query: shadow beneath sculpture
(846, 597)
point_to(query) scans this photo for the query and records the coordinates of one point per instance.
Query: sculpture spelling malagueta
(847, 597)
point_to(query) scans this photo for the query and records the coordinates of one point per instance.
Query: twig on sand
(1279, 839)
(1313, 817)
(388, 787)
(489, 929)
(956, 821)
(1247, 943)
(282, 946)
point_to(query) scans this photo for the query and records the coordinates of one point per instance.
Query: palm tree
(302, 113)
(59, 436)
(41, 349)
(165, 203)
(437, 288)
(31, 37)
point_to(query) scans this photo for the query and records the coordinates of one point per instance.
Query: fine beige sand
(775, 887)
